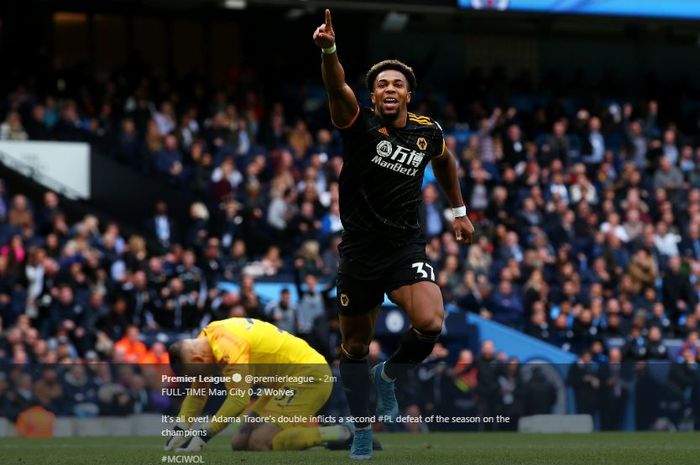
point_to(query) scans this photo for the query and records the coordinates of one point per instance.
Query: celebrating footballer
(386, 150)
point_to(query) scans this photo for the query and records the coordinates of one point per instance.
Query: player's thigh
(358, 304)
(411, 285)
(262, 436)
(423, 304)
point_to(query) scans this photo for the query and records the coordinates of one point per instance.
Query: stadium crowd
(587, 213)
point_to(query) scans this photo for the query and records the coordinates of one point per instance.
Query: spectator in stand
(487, 150)
(615, 380)
(168, 161)
(162, 226)
(36, 124)
(281, 210)
(12, 129)
(539, 394)
(593, 146)
(668, 176)
(282, 312)
(165, 118)
(179, 310)
(581, 187)
(690, 244)
(225, 181)
(506, 305)
(656, 349)
(670, 147)
(330, 223)
(691, 343)
(682, 383)
(514, 146)
(197, 230)
(430, 212)
(69, 127)
(585, 379)
(128, 148)
(80, 392)
(512, 387)
(311, 316)
(637, 140)
(300, 139)
(488, 369)
(156, 355)
(20, 215)
(130, 349)
(142, 300)
(642, 271)
(557, 145)
(677, 293)
(250, 300)
(48, 390)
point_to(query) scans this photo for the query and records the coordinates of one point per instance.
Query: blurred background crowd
(585, 198)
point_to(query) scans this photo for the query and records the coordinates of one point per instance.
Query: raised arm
(445, 169)
(343, 103)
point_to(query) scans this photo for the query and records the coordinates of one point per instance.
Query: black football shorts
(359, 289)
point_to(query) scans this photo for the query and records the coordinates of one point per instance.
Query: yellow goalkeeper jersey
(245, 346)
(250, 341)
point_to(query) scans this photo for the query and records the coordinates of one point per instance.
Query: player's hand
(464, 229)
(324, 36)
(196, 443)
(178, 439)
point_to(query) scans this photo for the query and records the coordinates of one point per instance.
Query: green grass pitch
(400, 449)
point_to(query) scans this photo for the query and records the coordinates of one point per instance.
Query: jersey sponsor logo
(384, 131)
(395, 166)
(384, 148)
(422, 143)
(402, 160)
(344, 300)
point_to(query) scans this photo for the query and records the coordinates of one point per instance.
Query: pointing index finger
(329, 24)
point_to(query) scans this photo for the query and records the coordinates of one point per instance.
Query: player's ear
(371, 97)
(408, 97)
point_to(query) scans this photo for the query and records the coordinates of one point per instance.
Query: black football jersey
(381, 180)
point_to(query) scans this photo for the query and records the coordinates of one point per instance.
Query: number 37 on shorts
(424, 270)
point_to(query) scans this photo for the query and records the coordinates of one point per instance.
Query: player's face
(391, 94)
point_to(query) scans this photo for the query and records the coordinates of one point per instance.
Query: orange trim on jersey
(352, 121)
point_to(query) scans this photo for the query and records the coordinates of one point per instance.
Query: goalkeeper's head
(191, 357)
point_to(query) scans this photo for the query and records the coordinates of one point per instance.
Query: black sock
(354, 371)
(415, 346)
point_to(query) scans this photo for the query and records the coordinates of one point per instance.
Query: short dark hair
(176, 359)
(397, 65)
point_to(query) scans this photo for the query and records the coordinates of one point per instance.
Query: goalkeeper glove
(197, 442)
(178, 437)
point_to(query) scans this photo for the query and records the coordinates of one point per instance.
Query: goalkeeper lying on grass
(290, 380)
